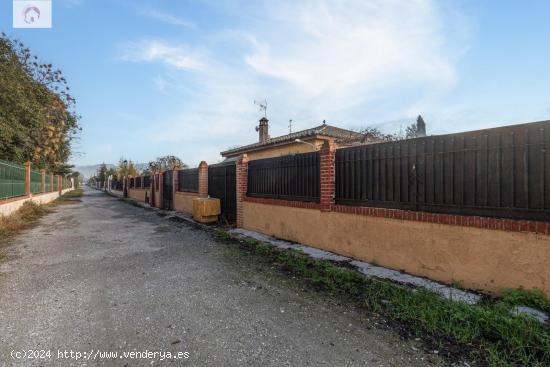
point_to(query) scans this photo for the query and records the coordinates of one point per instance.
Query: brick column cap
(203, 164)
(243, 158)
(328, 145)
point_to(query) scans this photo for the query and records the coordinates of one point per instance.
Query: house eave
(233, 153)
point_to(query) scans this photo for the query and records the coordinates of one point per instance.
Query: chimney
(263, 129)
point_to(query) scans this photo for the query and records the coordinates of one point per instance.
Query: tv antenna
(263, 106)
(290, 126)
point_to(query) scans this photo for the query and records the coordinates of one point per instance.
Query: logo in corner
(32, 13)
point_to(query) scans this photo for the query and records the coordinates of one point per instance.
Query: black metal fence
(222, 184)
(137, 182)
(167, 195)
(131, 183)
(146, 181)
(188, 180)
(116, 185)
(293, 177)
(501, 172)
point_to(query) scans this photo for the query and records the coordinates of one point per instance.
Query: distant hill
(90, 170)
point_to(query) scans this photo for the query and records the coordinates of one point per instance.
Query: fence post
(152, 189)
(59, 188)
(203, 179)
(327, 156)
(175, 183)
(43, 173)
(160, 204)
(124, 188)
(27, 178)
(242, 186)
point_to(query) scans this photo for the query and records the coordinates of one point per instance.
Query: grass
(523, 297)
(21, 219)
(487, 331)
(29, 214)
(71, 195)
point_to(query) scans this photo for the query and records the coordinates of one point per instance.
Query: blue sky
(179, 77)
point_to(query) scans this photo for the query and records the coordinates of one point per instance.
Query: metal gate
(167, 191)
(222, 184)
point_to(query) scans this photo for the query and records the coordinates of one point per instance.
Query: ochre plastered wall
(137, 194)
(286, 149)
(183, 201)
(158, 202)
(480, 258)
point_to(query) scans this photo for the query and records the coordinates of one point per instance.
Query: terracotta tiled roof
(322, 130)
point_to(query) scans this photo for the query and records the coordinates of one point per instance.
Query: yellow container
(206, 210)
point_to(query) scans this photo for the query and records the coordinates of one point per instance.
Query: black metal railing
(222, 184)
(188, 180)
(146, 181)
(116, 185)
(137, 182)
(501, 172)
(167, 194)
(293, 177)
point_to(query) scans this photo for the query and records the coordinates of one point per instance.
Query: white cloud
(177, 56)
(346, 49)
(315, 59)
(169, 18)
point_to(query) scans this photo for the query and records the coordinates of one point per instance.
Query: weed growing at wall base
(29, 213)
(488, 330)
(523, 297)
(19, 220)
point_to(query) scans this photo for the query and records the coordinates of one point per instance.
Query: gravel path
(102, 275)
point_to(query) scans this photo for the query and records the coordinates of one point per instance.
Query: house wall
(183, 201)
(286, 149)
(480, 258)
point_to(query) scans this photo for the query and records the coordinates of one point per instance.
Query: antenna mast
(263, 106)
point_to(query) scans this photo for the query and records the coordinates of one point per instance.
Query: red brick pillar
(160, 204)
(27, 178)
(328, 172)
(59, 188)
(43, 173)
(203, 179)
(152, 190)
(175, 183)
(242, 187)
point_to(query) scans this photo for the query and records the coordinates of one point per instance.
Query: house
(304, 141)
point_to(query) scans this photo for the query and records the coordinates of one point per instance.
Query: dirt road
(101, 276)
